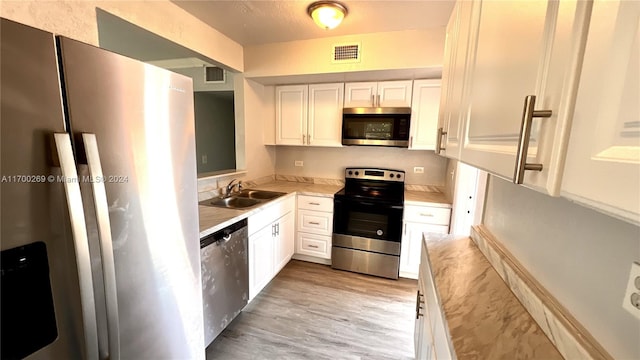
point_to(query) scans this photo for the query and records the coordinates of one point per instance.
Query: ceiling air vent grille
(343, 53)
(213, 75)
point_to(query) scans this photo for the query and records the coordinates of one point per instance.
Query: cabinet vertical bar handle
(308, 139)
(525, 133)
(373, 100)
(418, 304)
(303, 138)
(378, 97)
(439, 147)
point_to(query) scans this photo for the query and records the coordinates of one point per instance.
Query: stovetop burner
(383, 185)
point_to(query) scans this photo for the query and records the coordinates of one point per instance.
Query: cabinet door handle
(314, 203)
(439, 142)
(278, 229)
(525, 133)
(313, 246)
(410, 141)
(308, 139)
(314, 223)
(373, 100)
(378, 100)
(418, 304)
(425, 214)
(303, 139)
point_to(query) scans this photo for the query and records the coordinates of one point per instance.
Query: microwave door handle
(106, 243)
(80, 241)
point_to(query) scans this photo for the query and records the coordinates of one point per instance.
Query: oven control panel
(374, 174)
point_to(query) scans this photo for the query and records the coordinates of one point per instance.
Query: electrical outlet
(204, 158)
(299, 163)
(631, 301)
(418, 170)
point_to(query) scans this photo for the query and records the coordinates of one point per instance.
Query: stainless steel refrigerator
(99, 218)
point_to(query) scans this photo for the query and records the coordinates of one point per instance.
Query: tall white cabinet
(424, 114)
(603, 159)
(309, 114)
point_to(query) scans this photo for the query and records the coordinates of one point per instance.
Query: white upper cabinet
(450, 120)
(291, 114)
(540, 57)
(360, 94)
(424, 114)
(325, 114)
(603, 158)
(309, 114)
(378, 94)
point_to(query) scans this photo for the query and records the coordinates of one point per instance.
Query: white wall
(410, 49)
(329, 163)
(197, 74)
(580, 256)
(77, 20)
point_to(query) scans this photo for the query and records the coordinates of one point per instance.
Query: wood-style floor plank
(310, 311)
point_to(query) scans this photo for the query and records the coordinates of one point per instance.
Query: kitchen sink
(243, 199)
(232, 202)
(259, 194)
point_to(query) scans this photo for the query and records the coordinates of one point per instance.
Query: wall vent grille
(343, 53)
(213, 75)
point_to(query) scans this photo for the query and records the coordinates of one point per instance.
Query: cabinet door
(291, 114)
(412, 244)
(325, 114)
(539, 57)
(395, 93)
(360, 94)
(424, 114)
(260, 261)
(285, 240)
(451, 114)
(603, 158)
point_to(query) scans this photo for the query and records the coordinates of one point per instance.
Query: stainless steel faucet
(231, 185)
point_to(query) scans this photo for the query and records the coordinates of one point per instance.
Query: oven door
(367, 219)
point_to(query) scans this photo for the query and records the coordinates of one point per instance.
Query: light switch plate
(631, 301)
(298, 163)
(418, 170)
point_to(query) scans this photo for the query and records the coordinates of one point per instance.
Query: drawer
(314, 245)
(315, 222)
(427, 214)
(315, 203)
(270, 212)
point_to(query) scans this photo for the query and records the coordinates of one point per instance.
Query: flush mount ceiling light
(327, 14)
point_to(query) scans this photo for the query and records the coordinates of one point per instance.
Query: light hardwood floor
(310, 311)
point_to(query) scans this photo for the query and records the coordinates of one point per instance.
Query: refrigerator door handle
(99, 194)
(80, 241)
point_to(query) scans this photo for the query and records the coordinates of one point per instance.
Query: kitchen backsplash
(329, 163)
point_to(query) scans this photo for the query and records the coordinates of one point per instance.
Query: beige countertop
(485, 319)
(213, 219)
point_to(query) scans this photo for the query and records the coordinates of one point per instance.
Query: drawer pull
(314, 203)
(313, 246)
(314, 223)
(425, 214)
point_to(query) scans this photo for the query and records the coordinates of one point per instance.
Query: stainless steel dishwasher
(225, 277)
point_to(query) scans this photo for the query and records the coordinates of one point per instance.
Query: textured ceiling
(269, 21)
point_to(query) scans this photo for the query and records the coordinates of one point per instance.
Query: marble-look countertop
(435, 199)
(213, 219)
(485, 319)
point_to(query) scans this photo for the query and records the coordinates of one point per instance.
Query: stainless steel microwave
(376, 126)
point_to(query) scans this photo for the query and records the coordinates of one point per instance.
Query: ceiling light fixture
(327, 14)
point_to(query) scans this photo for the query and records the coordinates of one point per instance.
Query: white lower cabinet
(419, 219)
(431, 336)
(314, 228)
(271, 243)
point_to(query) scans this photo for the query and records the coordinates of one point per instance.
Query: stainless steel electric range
(367, 222)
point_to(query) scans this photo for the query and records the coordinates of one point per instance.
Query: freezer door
(143, 122)
(36, 232)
